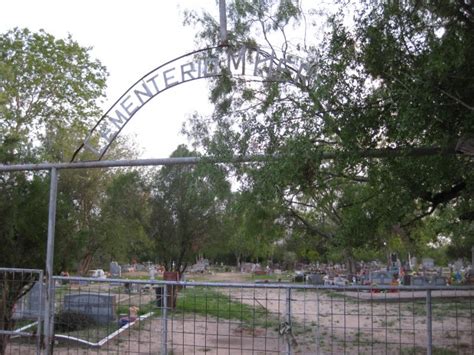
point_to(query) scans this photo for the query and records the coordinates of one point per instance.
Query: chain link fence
(119, 316)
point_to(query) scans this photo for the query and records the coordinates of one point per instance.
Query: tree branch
(309, 226)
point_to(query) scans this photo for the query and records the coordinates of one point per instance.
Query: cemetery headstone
(457, 265)
(299, 276)
(200, 266)
(246, 267)
(115, 269)
(428, 263)
(381, 278)
(439, 281)
(30, 305)
(102, 308)
(340, 281)
(315, 279)
(140, 267)
(418, 281)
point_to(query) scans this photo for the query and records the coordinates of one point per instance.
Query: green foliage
(253, 227)
(49, 95)
(399, 78)
(49, 91)
(187, 207)
(24, 212)
(125, 217)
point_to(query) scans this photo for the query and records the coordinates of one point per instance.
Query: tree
(124, 219)
(48, 94)
(253, 228)
(187, 207)
(397, 80)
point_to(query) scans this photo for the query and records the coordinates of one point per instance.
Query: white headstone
(457, 265)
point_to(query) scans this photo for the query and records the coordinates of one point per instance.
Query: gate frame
(39, 328)
(47, 335)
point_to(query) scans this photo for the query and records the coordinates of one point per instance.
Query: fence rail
(122, 316)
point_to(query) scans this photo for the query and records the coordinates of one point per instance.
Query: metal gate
(21, 310)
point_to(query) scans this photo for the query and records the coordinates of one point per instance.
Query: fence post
(39, 328)
(48, 328)
(288, 320)
(429, 322)
(318, 333)
(164, 317)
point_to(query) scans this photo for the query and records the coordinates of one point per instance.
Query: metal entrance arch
(238, 61)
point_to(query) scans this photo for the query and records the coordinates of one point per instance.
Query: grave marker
(102, 308)
(30, 305)
(115, 269)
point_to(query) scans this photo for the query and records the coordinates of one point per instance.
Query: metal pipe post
(49, 299)
(429, 323)
(288, 321)
(223, 21)
(472, 260)
(164, 320)
(39, 328)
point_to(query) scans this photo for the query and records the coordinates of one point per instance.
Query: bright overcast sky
(130, 38)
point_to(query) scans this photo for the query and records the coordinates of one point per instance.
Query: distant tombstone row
(130, 267)
(425, 281)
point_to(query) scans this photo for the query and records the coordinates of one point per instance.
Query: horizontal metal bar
(375, 153)
(12, 269)
(17, 333)
(128, 163)
(266, 285)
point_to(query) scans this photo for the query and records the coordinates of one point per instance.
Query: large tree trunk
(350, 262)
(239, 262)
(85, 264)
(6, 322)
(351, 267)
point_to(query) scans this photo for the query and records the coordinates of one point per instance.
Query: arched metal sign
(243, 61)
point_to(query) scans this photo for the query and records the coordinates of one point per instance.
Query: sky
(130, 38)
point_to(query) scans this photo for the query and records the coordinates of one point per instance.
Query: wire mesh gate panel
(21, 310)
(152, 317)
